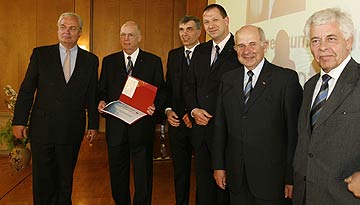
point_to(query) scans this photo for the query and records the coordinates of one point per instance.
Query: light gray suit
(329, 154)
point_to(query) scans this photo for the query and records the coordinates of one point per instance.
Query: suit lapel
(206, 54)
(121, 63)
(138, 64)
(228, 48)
(80, 62)
(307, 96)
(262, 83)
(238, 84)
(58, 72)
(180, 60)
(344, 86)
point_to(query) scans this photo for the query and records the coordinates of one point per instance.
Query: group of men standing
(257, 138)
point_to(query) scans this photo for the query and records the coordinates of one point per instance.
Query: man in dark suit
(176, 113)
(255, 125)
(130, 141)
(209, 61)
(329, 142)
(64, 78)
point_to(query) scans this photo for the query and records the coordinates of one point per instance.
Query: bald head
(250, 45)
(132, 24)
(130, 37)
(253, 29)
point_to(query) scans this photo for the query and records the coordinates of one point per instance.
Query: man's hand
(354, 183)
(90, 135)
(101, 106)
(172, 118)
(151, 109)
(220, 178)
(201, 116)
(288, 191)
(20, 131)
(187, 121)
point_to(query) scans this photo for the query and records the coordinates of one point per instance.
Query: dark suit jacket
(58, 113)
(148, 68)
(202, 82)
(331, 152)
(260, 136)
(176, 68)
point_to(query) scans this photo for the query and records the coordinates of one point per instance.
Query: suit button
(244, 117)
(311, 155)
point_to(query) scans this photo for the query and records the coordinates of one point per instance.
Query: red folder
(143, 96)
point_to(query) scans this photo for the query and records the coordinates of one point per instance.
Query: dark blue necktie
(217, 53)
(187, 56)
(130, 66)
(320, 100)
(248, 86)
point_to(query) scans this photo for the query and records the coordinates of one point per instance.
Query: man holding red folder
(133, 141)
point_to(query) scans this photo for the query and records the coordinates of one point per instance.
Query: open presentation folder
(133, 102)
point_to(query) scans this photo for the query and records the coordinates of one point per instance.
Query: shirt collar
(190, 49)
(257, 69)
(63, 49)
(223, 42)
(134, 55)
(336, 72)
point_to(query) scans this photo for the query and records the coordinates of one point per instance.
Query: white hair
(331, 15)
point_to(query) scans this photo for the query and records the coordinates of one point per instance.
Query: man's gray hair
(188, 18)
(331, 15)
(70, 14)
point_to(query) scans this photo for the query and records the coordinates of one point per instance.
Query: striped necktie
(130, 66)
(248, 87)
(320, 100)
(217, 53)
(187, 57)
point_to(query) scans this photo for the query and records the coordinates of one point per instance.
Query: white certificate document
(123, 111)
(130, 87)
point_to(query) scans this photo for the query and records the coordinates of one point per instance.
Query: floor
(91, 180)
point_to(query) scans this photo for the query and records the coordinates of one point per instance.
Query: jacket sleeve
(293, 99)
(26, 92)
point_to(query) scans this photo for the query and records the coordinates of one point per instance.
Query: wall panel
(179, 9)
(158, 27)
(106, 27)
(83, 8)
(47, 15)
(196, 8)
(17, 38)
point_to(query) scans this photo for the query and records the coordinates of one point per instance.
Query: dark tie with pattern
(320, 100)
(248, 87)
(217, 53)
(188, 56)
(129, 67)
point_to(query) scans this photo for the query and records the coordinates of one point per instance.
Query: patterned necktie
(248, 86)
(320, 100)
(129, 67)
(67, 66)
(188, 57)
(217, 53)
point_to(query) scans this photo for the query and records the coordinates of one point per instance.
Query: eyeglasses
(128, 35)
(72, 29)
